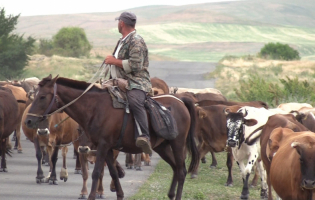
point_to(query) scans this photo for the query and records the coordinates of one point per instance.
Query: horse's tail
(190, 141)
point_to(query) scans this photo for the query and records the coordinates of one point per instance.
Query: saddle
(163, 123)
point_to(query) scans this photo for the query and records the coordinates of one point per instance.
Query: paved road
(183, 74)
(19, 182)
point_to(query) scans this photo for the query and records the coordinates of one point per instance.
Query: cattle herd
(276, 143)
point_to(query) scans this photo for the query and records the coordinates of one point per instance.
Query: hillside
(200, 32)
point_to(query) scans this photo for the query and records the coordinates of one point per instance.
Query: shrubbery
(279, 51)
(292, 90)
(68, 42)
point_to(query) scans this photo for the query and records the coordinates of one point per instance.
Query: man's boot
(144, 144)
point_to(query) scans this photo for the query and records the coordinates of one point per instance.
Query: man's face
(120, 25)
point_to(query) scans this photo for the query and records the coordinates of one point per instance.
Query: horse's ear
(55, 79)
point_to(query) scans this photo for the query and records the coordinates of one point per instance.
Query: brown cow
(20, 96)
(159, 86)
(60, 133)
(292, 168)
(274, 121)
(9, 119)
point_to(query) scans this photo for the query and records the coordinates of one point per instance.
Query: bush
(46, 47)
(71, 42)
(257, 89)
(279, 51)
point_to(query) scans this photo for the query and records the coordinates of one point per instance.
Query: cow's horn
(226, 111)
(295, 144)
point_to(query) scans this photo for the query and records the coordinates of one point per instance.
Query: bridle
(55, 100)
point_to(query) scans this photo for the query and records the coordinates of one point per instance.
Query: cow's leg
(85, 175)
(54, 158)
(203, 150)
(262, 173)
(3, 149)
(165, 151)
(18, 139)
(49, 163)
(245, 191)
(138, 162)
(64, 171)
(255, 179)
(100, 188)
(229, 164)
(39, 155)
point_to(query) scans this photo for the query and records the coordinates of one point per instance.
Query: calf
(292, 171)
(247, 121)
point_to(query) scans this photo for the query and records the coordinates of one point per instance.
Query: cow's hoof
(53, 182)
(213, 166)
(192, 176)
(77, 171)
(83, 196)
(228, 184)
(203, 160)
(100, 196)
(64, 179)
(244, 196)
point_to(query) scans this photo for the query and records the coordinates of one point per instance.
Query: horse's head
(45, 102)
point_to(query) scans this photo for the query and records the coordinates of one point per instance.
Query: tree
(279, 51)
(71, 41)
(14, 50)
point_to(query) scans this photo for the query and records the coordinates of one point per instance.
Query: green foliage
(257, 88)
(279, 51)
(45, 47)
(14, 49)
(71, 42)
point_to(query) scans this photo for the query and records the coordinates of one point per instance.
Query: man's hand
(111, 60)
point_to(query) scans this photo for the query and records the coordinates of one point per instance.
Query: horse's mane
(75, 84)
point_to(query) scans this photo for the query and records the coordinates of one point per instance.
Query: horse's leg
(229, 164)
(165, 151)
(100, 188)
(85, 175)
(77, 162)
(114, 174)
(64, 171)
(54, 158)
(39, 155)
(3, 149)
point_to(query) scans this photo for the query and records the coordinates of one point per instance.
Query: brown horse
(102, 123)
(9, 111)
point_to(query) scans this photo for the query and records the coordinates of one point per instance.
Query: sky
(57, 7)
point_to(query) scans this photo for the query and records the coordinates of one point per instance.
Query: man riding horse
(130, 62)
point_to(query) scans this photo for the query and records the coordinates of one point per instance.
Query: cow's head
(235, 126)
(306, 152)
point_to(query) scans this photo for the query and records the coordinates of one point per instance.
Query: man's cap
(127, 17)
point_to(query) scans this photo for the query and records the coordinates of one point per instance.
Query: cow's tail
(190, 141)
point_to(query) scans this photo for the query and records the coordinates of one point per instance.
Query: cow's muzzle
(84, 149)
(43, 131)
(232, 143)
(308, 184)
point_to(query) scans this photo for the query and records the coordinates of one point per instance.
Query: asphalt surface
(19, 182)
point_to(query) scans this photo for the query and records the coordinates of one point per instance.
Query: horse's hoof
(244, 196)
(20, 151)
(213, 166)
(77, 171)
(40, 180)
(51, 182)
(112, 189)
(203, 160)
(193, 176)
(100, 196)
(83, 196)
(228, 184)
(3, 170)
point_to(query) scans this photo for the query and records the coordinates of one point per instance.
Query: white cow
(247, 122)
(288, 107)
